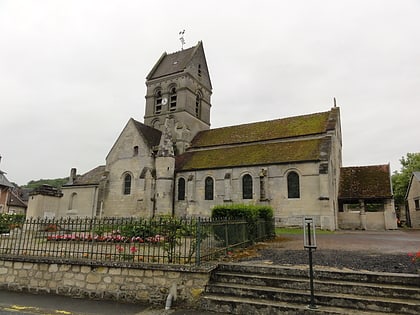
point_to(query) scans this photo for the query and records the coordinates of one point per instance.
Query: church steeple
(179, 87)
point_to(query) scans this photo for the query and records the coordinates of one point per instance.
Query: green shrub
(252, 214)
(10, 221)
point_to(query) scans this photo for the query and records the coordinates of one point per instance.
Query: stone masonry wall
(146, 284)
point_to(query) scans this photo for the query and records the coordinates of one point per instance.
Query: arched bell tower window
(172, 99)
(247, 187)
(158, 102)
(293, 186)
(209, 189)
(127, 184)
(198, 98)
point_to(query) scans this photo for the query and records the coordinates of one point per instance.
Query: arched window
(247, 187)
(127, 184)
(158, 102)
(181, 189)
(73, 201)
(198, 98)
(172, 99)
(293, 186)
(209, 189)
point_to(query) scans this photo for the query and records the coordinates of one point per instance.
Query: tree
(400, 180)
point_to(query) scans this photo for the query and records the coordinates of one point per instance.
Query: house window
(197, 104)
(417, 203)
(181, 189)
(158, 102)
(209, 188)
(199, 70)
(136, 150)
(293, 189)
(127, 184)
(247, 187)
(172, 99)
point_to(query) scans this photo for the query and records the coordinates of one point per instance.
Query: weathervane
(181, 34)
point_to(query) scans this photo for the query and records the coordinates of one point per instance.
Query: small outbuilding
(365, 198)
(412, 199)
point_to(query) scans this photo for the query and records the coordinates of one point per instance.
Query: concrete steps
(251, 289)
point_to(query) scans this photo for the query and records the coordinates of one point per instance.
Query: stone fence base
(96, 280)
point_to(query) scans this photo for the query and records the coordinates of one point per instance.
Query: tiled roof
(262, 131)
(171, 63)
(365, 182)
(253, 154)
(92, 177)
(151, 135)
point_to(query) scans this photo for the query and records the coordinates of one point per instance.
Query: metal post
(310, 244)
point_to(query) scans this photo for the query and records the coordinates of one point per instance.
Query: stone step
(387, 305)
(258, 306)
(346, 287)
(412, 280)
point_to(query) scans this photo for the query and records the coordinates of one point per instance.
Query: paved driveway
(385, 242)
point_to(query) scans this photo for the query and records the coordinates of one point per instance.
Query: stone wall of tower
(165, 167)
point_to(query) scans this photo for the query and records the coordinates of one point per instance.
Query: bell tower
(178, 93)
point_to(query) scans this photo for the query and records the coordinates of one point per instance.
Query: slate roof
(16, 201)
(262, 131)
(365, 182)
(151, 135)
(92, 177)
(4, 181)
(172, 63)
(254, 154)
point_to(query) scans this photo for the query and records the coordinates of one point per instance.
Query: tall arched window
(127, 184)
(247, 187)
(198, 104)
(73, 201)
(172, 99)
(158, 102)
(209, 189)
(293, 186)
(181, 189)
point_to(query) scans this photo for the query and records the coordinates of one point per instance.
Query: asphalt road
(14, 303)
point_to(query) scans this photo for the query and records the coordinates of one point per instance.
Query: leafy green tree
(400, 180)
(56, 182)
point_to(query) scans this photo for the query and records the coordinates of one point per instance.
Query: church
(174, 164)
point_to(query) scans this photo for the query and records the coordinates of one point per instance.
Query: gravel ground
(373, 251)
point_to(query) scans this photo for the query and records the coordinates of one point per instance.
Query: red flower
(133, 249)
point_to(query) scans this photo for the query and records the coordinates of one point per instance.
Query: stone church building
(173, 163)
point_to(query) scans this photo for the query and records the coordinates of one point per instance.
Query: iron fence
(164, 240)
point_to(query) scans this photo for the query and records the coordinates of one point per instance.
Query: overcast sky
(72, 73)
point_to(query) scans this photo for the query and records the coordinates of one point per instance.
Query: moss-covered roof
(365, 182)
(253, 154)
(262, 131)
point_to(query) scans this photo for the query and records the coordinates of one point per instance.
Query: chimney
(72, 177)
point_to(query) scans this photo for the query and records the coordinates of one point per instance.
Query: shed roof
(92, 177)
(365, 182)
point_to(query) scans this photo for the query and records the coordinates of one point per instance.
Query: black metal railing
(165, 240)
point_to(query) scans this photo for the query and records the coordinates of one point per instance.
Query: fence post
(198, 243)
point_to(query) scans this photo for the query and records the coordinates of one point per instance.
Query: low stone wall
(121, 282)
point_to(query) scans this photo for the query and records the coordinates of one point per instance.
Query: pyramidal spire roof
(174, 62)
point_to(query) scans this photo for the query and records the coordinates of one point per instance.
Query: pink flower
(133, 249)
(119, 248)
